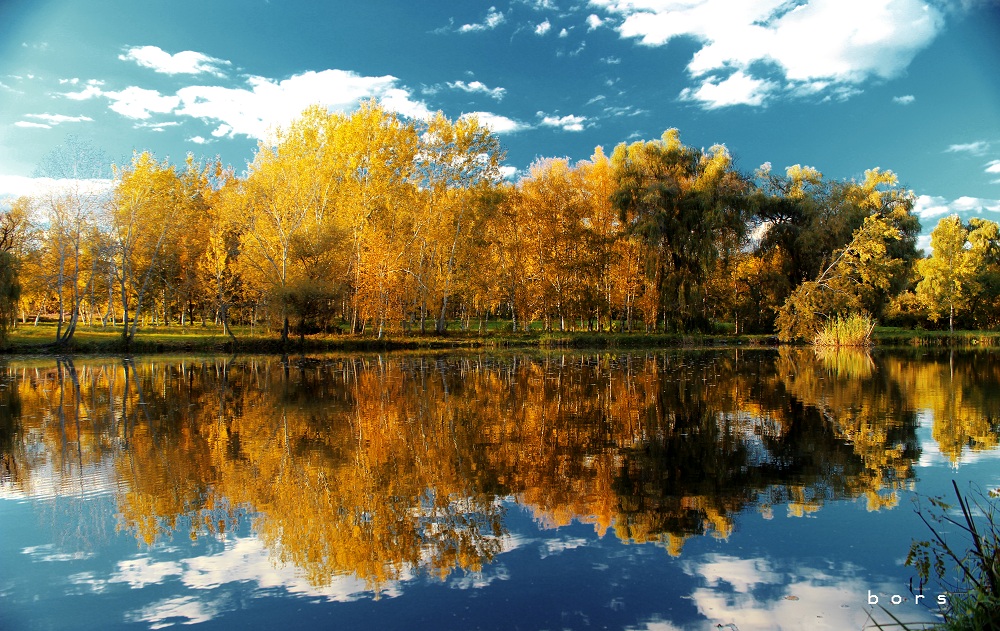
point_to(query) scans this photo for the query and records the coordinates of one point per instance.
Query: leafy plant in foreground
(971, 577)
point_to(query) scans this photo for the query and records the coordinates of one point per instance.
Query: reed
(853, 330)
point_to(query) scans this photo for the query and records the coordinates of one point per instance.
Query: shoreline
(34, 341)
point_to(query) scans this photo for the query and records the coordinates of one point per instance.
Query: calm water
(643, 491)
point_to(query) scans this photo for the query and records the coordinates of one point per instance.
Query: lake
(660, 490)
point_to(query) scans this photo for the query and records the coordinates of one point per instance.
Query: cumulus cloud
(478, 87)
(543, 28)
(593, 22)
(904, 100)
(929, 207)
(262, 104)
(184, 62)
(993, 166)
(492, 20)
(828, 43)
(496, 122)
(738, 89)
(141, 103)
(90, 91)
(566, 123)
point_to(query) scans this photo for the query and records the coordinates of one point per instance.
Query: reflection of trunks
(471, 468)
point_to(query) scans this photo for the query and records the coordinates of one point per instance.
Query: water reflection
(362, 472)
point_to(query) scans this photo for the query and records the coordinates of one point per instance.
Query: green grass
(29, 339)
(897, 336)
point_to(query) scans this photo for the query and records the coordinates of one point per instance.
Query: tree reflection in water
(383, 465)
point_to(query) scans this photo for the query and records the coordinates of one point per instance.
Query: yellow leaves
(801, 179)
(385, 465)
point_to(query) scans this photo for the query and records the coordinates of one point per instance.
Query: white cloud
(904, 100)
(58, 119)
(496, 122)
(993, 167)
(755, 594)
(838, 42)
(493, 19)
(927, 207)
(930, 207)
(478, 86)
(92, 90)
(543, 28)
(264, 104)
(566, 123)
(199, 140)
(17, 185)
(184, 62)
(738, 89)
(140, 103)
(564, 33)
(156, 126)
(32, 125)
(540, 5)
(593, 22)
(267, 103)
(167, 612)
(976, 148)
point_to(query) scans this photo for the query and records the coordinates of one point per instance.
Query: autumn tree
(286, 199)
(962, 268)
(680, 201)
(863, 273)
(140, 220)
(13, 228)
(457, 165)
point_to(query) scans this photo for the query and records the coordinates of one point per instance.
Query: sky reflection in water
(633, 491)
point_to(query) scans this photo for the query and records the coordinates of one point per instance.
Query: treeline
(368, 223)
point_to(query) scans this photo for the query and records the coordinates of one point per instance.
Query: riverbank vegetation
(369, 225)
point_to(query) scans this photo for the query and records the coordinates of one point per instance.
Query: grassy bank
(32, 340)
(894, 336)
(35, 340)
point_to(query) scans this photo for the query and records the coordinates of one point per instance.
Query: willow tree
(680, 202)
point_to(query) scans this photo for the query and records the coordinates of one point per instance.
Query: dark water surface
(646, 491)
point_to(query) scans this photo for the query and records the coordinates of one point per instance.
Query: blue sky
(841, 85)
